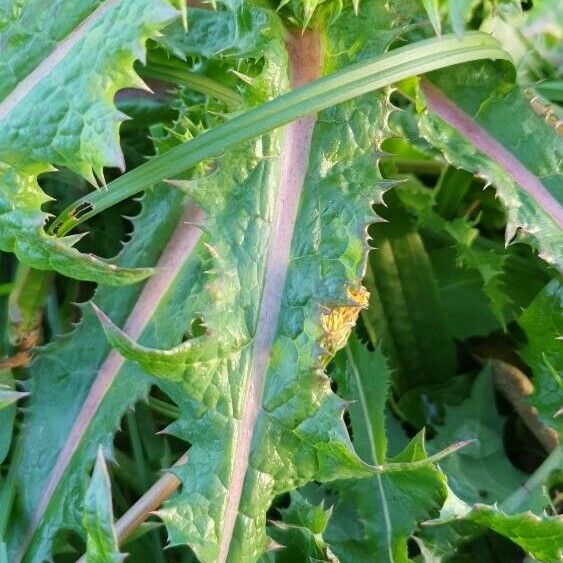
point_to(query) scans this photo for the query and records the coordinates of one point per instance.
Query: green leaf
(281, 297)
(301, 532)
(541, 537)
(481, 471)
(542, 322)
(56, 110)
(79, 392)
(348, 83)
(373, 518)
(468, 116)
(487, 262)
(101, 539)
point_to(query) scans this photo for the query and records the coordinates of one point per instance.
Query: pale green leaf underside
(481, 471)
(62, 63)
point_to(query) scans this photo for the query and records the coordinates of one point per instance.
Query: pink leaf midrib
(304, 52)
(181, 244)
(447, 110)
(48, 64)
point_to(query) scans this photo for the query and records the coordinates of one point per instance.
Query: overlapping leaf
(62, 63)
(520, 157)
(281, 298)
(373, 518)
(480, 472)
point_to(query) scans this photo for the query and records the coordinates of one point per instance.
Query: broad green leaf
(101, 539)
(541, 537)
(468, 116)
(79, 392)
(84, 390)
(286, 227)
(480, 472)
(373, 518)
(62, 63)
(542, 322)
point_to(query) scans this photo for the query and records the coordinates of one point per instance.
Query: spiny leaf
(256, 403)
(300, 532)
(541, 537)
(101, 539)
(475, 130)
(85, 390)
(71, 371)
(56, 109)
(373, 518)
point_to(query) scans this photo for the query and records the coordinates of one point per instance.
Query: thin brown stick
(148, 503)
(516, 387)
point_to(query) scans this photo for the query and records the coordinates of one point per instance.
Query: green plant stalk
(357, 79)
(517, 500)
(197, 82)
(27, 299)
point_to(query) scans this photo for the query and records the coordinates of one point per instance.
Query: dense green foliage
(311, 269)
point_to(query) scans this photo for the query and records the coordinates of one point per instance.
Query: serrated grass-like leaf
(58, 75)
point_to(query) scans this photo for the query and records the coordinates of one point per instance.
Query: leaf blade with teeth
(56, 109)
(468, 119)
